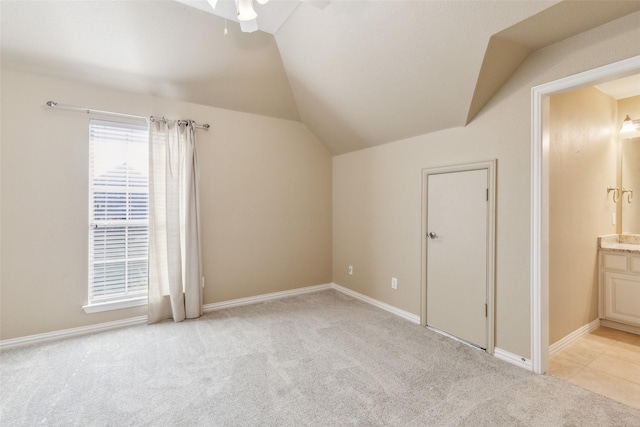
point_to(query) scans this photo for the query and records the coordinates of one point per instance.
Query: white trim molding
(72, 332)
(139, 320)
(574, 336)
(497, 352)
(114, 305)
(264, 297)
(101, 327)
(300, 291)
(514, 359)
(387, 307)
(539, 274)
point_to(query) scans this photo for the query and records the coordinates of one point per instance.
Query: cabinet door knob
(432, 235)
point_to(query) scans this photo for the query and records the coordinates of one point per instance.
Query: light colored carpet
(320, 359)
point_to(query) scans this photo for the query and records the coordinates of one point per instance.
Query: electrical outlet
(394, 283)
(351, 270)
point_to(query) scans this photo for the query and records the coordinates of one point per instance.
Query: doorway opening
(540, 152)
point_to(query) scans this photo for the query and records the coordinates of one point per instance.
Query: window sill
(114, 305)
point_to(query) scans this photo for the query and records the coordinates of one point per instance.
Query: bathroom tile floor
(606, 361)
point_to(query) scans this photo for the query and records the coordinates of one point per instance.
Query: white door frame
(490, 167)
(540, 195)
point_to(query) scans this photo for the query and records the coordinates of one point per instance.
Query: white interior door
(457, 212)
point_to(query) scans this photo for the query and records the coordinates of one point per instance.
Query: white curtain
(175, 269)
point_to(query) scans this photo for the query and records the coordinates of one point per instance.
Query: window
(118, 215)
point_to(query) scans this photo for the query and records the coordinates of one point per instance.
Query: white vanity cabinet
(620, 287)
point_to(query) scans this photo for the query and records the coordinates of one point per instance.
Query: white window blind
(118, 211)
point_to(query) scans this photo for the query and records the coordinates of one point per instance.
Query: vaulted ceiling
(357, 73)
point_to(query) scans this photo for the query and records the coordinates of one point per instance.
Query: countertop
(629, 243)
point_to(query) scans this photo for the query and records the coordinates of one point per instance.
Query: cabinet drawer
(615, 262)
(635, 264)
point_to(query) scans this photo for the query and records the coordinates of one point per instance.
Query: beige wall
(377, 192)
(630, 168)
(583, 135)
(270, 225)
(265, 194)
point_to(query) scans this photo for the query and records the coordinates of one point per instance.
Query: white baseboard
(100, 327)
(390, 308)
(299, 291)
(514, 359)
(265, 297)
(565, 342)
(72, 332)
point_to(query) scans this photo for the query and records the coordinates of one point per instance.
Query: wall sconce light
(628, 125)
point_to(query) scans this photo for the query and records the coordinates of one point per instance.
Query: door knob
(432, 235)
